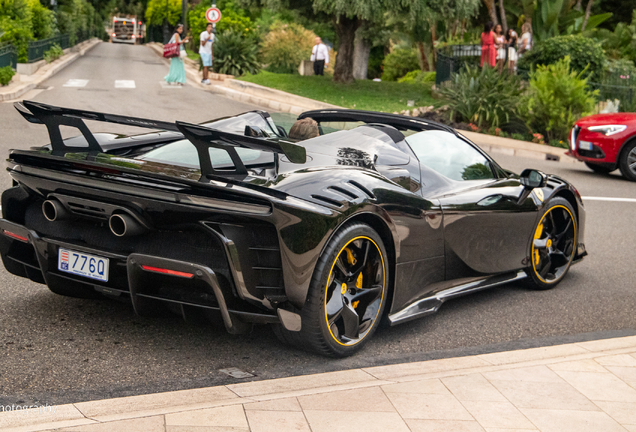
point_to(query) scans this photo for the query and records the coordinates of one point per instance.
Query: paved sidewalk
(17, 88)
(587, 386)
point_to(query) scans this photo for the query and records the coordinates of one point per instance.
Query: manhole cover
(236, 373)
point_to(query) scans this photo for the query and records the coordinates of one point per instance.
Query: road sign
(213, 15)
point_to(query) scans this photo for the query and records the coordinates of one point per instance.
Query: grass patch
(385, 96)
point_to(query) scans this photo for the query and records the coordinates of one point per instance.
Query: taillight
(15, 236)
(167, 271)
(114, 35)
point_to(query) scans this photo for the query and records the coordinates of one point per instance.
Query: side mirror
(531, 178)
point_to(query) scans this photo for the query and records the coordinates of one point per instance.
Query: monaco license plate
(585, 145)
(82, 264)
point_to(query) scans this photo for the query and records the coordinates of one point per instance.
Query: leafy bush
(584, 52)
(483, 96)
(398, 63)
(22, 21)
(6, 74)
(418, 77)
(235, 54)
(558, 96)
(234, 18)
(285, 46)
(54, 53)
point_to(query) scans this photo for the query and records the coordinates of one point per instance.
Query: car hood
(604, 119)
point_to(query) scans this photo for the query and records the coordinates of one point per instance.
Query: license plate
(585, 145)
(82, 264)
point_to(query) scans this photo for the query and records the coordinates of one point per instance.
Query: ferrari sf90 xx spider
(377, 216)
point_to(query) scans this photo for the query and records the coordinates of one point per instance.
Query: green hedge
(584, 52)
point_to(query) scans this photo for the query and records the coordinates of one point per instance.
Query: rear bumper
(26, 254)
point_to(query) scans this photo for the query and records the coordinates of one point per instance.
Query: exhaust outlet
(124, 225)
(54, 210)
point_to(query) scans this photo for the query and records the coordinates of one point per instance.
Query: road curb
(53, 68)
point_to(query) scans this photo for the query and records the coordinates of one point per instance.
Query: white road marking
(125, 84)
(76, 83)
(614, 199)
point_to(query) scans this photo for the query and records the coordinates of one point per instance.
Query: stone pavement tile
(572, 421)
(66, 413)
(473, 387)
(428, 386)
(425, 367)
(510, 430)
(110, 408)
(600, 386)
(497, 415)
(433, 407)
(277, 421)
(622, 412)
(144, 424)
(299, 383)
(616, 360)
(351, 421)
(204, 429)
(531, 354)
(533, 374)
(444, 426)
(371, 399)
(609, 344)
(544, 395)
(285, 404)
(627, 374)
(229, 416)
(587, 365)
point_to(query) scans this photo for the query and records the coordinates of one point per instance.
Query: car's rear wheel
(601, 169)
(627, 162)
(347, 295)
(553, 245)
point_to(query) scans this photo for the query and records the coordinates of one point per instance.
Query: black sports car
(375, 215)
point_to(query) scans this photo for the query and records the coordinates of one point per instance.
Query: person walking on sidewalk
(177, 68)
(320, 57)
(205, 51)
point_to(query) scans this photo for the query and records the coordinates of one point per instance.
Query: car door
(486, 225)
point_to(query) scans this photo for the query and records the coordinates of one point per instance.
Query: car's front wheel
(627, 162)
(553, 244)
(347, 295)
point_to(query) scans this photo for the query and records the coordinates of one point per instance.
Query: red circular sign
(213, 15)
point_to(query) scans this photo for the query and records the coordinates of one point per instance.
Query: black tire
(601, 169)
(335, 279)
(553, 245)
(627, 161)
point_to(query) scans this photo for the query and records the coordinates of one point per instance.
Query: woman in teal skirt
(177, 69)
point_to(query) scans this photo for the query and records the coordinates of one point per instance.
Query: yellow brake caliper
(537, 235)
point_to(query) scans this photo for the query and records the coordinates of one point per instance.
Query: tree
(588, 10)
(490, 5)
(159, 10)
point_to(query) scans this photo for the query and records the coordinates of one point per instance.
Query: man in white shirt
(205, 51)
(320, 56)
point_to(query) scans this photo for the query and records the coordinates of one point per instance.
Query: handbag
(171, 50)
(183, 54)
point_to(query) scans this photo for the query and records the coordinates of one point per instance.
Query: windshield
(183, 153)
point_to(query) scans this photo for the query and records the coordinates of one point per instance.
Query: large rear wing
(201, 137)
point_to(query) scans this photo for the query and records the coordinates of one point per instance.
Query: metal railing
(450, 60)
(8, 56)
(38, 48)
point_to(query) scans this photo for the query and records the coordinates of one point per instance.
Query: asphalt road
(57, 350)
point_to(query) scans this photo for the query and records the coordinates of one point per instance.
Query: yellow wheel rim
(554, 244)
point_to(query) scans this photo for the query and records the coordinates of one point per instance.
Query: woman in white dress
(526, 38)
(511, 43)
(500, 43)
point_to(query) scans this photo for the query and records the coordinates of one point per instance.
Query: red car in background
(606, 142)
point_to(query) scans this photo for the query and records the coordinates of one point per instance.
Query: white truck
(127, 30)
